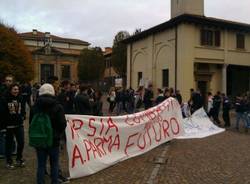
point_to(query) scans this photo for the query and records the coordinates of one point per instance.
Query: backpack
(40, 131)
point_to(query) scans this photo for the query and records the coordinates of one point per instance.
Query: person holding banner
(47, 103)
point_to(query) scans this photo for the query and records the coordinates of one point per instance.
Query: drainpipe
(176, 55)
(130, 62)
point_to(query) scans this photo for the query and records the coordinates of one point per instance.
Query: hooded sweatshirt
(48, 104)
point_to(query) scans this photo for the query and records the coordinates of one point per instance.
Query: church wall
(150, 56)
(185, 58)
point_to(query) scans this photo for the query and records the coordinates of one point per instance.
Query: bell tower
(194, 7)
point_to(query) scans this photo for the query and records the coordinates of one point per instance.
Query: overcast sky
(98, 21)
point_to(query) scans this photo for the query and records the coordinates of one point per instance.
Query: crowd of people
(56, 100)
(130, 101)
(214, 104)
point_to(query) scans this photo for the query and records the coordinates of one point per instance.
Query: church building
(191, 51)
(53, 55)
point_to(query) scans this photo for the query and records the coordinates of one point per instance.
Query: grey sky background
(98, 21)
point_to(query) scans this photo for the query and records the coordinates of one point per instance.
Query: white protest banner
(95, 143)
(199, 126)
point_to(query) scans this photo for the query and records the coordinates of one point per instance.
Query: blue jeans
(239, 116)
(42, 156)
(247, 116)
(119, 108)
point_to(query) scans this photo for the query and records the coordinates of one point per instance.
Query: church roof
(39, 36)
(188, 18)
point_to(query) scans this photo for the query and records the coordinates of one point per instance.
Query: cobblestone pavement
(219, 159)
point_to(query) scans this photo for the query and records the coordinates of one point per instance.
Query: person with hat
(47, 103)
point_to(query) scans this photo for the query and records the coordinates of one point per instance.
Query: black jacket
(226, 104)
(97, 108)
(240, 106)
(66, 99)
(48, 104)
(147, 99)
(82, 104)
(13, 111)
(216, 102)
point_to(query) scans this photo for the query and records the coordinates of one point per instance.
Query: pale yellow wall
(138, 66)
(150, 56)
(55, 44)
(33, 43)
(156, 52)
(216, 82)
(30, 43)
(164, 45)
(232, 40)
(60, 45)
(129, 61)
(78, 47)
(239, 58)
(185, 65)
(141, 60)
(57, 66)
(213, 54)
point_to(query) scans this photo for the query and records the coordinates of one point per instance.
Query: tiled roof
(196, 19)
(40, 37)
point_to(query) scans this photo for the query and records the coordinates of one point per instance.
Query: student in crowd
(48, 104)
(167, 93)
(9, 79)
(73, 89)
(119, 101)
(97, 105)
(160, 96)
(178, 97)
(196, 101)
(82, 102)
(54, 81)
(26, 91)
(111, 99)
(138, 99)
(226, 109)
(91, 93)
(209, 103)
(4, 88)
(66, 98)
(148, 97)
(216, 107)
(35, 89)
(171, 91)
(14, 115)
(240, 109)
(130, 100)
